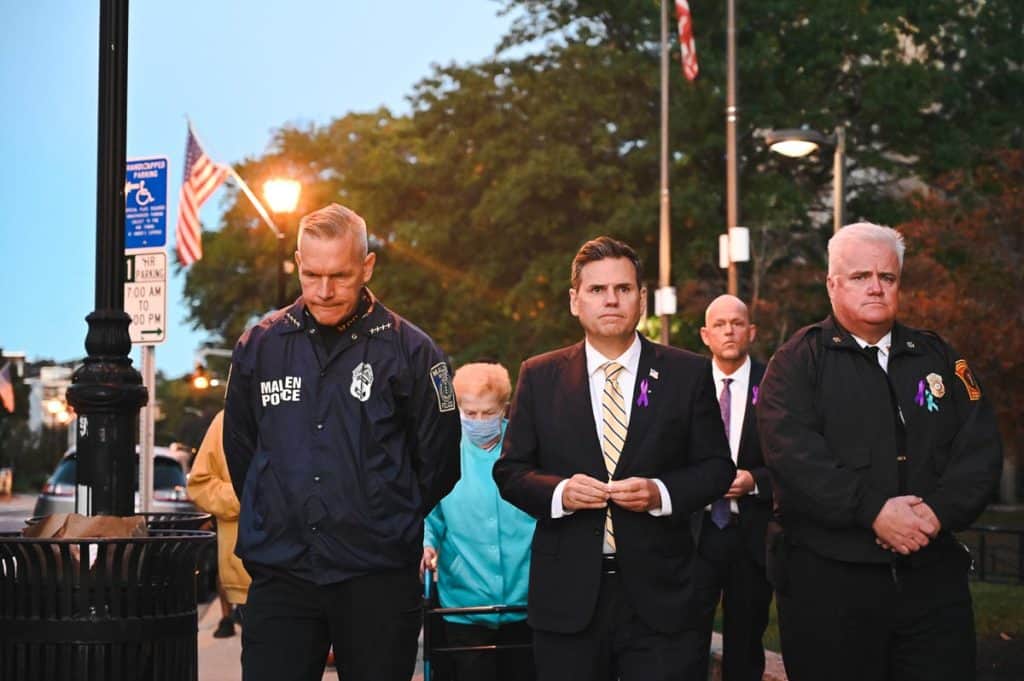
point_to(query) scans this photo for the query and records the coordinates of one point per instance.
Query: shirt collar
(740, 377)
(884, 343)
(630, 359)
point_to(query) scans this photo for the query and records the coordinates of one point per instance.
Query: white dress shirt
(630, 361)
(738, 410)
(884, 345)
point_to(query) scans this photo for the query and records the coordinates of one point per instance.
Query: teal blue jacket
(482, 542)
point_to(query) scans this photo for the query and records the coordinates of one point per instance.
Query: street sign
(145, 202)
(145, 295)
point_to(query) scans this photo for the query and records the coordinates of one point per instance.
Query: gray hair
(333, 222)
(865, 231)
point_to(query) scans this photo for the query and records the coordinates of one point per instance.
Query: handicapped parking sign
(145, 202)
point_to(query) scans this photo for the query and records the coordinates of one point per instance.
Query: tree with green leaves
(478, 198)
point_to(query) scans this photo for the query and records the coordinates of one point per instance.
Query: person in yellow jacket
(209, 486)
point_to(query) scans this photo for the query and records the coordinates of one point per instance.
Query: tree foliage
(964, 276)
(478, 198)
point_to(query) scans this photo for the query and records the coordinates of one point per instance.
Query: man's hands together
(905, 524)
(632, 494)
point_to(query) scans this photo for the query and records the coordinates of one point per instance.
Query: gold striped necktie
(613, 432)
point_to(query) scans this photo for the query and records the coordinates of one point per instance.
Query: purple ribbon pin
(641, 400)
(755, 392)
(920, 393)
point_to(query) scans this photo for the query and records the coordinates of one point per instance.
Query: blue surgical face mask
(482, 431)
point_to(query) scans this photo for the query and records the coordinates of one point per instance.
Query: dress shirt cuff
(666, 500)
(754, 491)
(557, 511)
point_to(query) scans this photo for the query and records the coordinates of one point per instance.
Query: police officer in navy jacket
(341, 433)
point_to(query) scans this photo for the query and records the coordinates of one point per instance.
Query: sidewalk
(14, 510)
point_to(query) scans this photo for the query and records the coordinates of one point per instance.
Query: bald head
(727, 332)
(728, 304)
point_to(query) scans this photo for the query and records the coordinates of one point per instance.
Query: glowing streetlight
(283, 196)
(797, 143)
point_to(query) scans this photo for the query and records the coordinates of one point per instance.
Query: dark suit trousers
(724, 568)
(372, 621)
(857, 622)
(615, 645)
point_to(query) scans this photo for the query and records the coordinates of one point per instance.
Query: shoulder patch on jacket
(442, 381)
(964, 373)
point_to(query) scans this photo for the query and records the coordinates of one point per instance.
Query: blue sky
(238, 68)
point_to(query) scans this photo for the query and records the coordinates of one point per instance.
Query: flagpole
(664, 240)
(732, 114)
(256, 203)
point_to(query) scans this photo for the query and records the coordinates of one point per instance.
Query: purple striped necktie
(720, 510)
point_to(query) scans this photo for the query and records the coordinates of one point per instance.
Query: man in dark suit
(612, 443)
(730, 532)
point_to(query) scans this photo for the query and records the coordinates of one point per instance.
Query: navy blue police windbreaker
(337, 465)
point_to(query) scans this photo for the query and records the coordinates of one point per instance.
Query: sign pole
(147, 430)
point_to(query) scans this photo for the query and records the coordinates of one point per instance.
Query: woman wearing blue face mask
(477, 543)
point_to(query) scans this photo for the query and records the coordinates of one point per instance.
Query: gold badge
(935, 385)
(963, 372)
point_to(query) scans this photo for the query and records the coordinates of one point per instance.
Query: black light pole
(281, 274)
(283, 196)
(106, 391)
(798, 142)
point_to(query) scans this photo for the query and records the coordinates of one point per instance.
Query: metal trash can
(178, 520)
(112, 609)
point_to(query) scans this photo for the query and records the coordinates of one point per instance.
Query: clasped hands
(632, 494)
(905, 524)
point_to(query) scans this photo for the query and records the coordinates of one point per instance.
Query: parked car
(169, 486)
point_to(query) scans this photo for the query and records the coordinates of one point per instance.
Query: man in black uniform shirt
(880, 445)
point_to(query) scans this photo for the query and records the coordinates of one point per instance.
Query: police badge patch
(443, 387)
(362, 381)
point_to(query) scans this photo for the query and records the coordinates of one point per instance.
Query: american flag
(202, 177)
(6, 388)
(687, 49)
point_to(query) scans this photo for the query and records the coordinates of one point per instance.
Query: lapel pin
(755, 392)
(653, 374)
(641, 400)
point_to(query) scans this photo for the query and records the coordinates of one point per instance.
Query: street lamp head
(282, 194)
(796, 143)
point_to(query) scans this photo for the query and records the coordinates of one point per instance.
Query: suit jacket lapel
(641, 417)
(749, 431)
(581, 410)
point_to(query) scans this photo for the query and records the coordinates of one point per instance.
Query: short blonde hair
(484, 378)
(335, 221)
